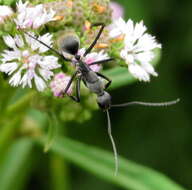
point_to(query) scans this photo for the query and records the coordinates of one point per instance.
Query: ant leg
(102, 61)
(70, 82)
(106, 78)
(78, 86)
(97, 37)
(53, 50)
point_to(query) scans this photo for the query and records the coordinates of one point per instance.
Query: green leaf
(16, 165)
(60, 178)
(101, 163)
(120, 75)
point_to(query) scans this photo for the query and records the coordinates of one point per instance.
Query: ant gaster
(69, 45)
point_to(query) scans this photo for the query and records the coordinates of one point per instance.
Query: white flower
(59, 83)
(32, 17)
(118, 27)
(25, 61)
(5, 11)
(138, 48)
(93, 57)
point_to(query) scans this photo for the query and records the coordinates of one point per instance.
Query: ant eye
(69, 44)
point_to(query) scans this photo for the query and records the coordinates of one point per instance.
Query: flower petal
(47, 39)
(8, 68)
(49, 62)
(46, 74)
(40, 84)
(19, 41)
(149, 69)
(117, 28)
(15, 79)
(139, 30)
(138, 72)
(10, 55)
(10, 42)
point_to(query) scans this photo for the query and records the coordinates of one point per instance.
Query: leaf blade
(16, 165)
(101, 163)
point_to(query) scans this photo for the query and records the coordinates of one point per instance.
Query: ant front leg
(78, 90)
(106, 78)
(97, 37)
(41, 42)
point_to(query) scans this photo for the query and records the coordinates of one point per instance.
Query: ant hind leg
(106, 78)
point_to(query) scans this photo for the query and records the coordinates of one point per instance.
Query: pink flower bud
(59, 83)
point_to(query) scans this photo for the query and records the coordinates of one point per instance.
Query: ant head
(69, 44)
(104, 101)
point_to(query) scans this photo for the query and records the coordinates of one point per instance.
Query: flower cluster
(59, 83)
(27, 62)
(138, 47)
(32, 17)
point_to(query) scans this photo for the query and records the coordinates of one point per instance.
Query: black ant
(69, 45)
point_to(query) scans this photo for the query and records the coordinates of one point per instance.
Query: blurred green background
(159, 138)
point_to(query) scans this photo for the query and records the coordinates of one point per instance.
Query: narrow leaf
(16, 165)
(60, 178)
(130, 176)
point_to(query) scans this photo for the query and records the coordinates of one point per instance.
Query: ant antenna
(113, 143)
(55, 51)
(147, 103)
